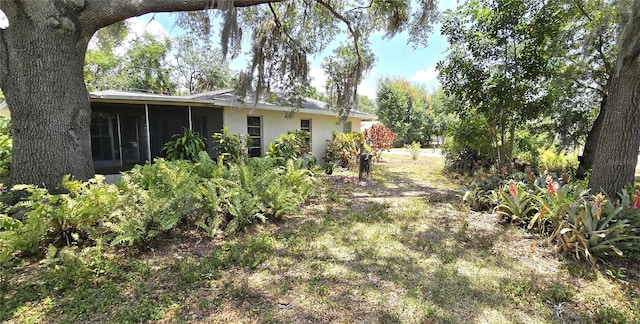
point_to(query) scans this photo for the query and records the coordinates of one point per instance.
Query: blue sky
(394, 57)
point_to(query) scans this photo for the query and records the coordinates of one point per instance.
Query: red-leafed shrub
(379, 137)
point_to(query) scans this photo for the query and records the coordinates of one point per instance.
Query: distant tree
(101, 63)
(365, 104)
(403, 108)
(441, 116)
(314, 93)
(146, 68)
(200, 66)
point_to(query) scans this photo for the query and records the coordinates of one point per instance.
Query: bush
(468, 145)
(587, 227)
(553, 160)
(185, 146)
(153, 200)
(413, 149)
(343, 149)
(292, 145)
(231, 147)
(379, 137)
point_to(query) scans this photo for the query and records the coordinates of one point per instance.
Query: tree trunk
(591, 143)
(617, 150)
(48, 100)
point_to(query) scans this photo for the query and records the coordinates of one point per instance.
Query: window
(305, 125)
(254, 128)
(101, 137)
(346, 127)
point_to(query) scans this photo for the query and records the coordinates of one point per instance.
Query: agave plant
(596, 229)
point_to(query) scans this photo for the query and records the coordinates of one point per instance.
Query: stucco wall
(274, 124)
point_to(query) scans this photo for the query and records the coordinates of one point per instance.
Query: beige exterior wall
(275, 124)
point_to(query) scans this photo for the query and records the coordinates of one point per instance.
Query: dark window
(346, 127)
(101, 142)
(305, 125)
(254, 128)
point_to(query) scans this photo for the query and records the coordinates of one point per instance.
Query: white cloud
(318, 78)
(138, 26)
(425, 76)
(366, 89)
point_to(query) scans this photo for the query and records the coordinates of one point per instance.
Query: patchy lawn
(398, 248)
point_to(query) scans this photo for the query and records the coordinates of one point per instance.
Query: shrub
(379, 137)
(153, 200)
(599, 228)
(556, 161)
(231, 147)
(185, 146)
(343, 149)
(292, 145)
(467, 144)
(413, 149)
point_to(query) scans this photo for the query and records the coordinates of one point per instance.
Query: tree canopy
(500, 61)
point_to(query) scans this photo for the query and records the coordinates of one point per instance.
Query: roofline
(202, 101)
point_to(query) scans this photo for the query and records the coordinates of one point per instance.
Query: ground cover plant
(398, 248)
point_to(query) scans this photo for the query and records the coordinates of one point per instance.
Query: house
(129, 128)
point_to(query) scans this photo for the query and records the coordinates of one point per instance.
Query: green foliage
(365, 104)
(231, 147)
(553, 160)
(599, 228)
(5, 146)
(478, 194)
(500, 66)
(344, 69)
(145, 66)
(516, 205)
(152, 200)
(413, 149)
(343, 149)
(185, 146)
(404, 108)
(101, 63)
(201, 67)
(610, 315)
(587, 227)
(162, 194)
(468, 145)
(289, 146)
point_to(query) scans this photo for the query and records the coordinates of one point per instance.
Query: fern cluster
(153, 200)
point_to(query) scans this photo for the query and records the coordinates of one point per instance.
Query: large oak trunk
(48, 100)
(591, 143)
(617, 151)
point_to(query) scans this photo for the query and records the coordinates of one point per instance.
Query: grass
(398, 248)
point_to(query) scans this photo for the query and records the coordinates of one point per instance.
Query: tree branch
(356, 38)
(582, 84)
(101, 13)
(362, 7)
(292, 42)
